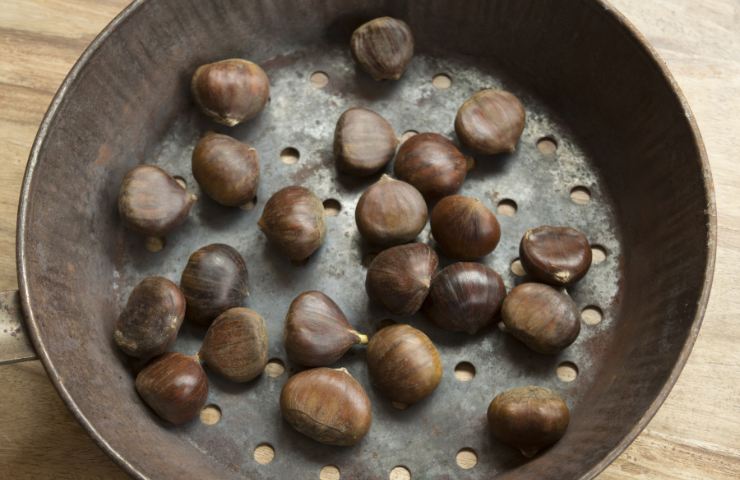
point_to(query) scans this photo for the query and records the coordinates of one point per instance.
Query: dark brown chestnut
(149, 322)
(556, 255)
(490, 122)
(226, 169)
(151, 202)
(528, 418)
(214, 280)
(174, 386)
(293, 220)
(432, 164)
(383, 47)
(403, 363)
(327, 405)
(399, 278)
(465, 297)
(231, 91)
(236, 345)
(364, 142)
(541, 317)
(390, 212)
(317, 333)
(464, 228)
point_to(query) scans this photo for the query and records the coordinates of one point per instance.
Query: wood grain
(695, 435)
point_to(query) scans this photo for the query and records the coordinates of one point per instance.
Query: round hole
(517, 268)
(466, 458)
(290, 155)
(598, 254)
(329, 472)
(154, 244)
(274, 368)
(442, 81)
(580, 195)
(249, 205)
(210, 415)
(400, 473)
(465, 371)
(332, 207)
(181, 181)
(319, 79)
(592, 315)
(547, 145)
(567, 371)
(264, 453)
(408, 134)
(506, 207)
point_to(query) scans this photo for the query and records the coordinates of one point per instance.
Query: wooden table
(695, 435)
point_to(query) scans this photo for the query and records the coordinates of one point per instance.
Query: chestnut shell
(364, 142)
(226, 169)
(464, 228)
(383, 47)
(555, 255)
(490, 122)
(432, 164)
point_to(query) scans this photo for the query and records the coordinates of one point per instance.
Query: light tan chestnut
(383, 47)
(490, 122)
(293, 220)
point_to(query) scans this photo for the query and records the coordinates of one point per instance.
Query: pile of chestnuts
(325, 404)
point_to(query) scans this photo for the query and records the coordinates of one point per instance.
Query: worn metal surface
(15, 345)
(622, 132)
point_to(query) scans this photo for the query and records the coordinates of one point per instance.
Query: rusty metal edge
(27, 190)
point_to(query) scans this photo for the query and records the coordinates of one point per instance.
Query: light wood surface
(695, 435)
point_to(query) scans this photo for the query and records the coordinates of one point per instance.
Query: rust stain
(104, 155)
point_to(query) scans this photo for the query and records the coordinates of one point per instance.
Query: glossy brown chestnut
(149, 322)
(214, 280)
(403, 363)
(235, 345)
(317, 333)
(364, 142)
(491, 121)
(390, 212)
(327, 405)
(528, 418)
(432, 164)
(464, 228)
(556, 255)
(465, 297)
(541, 317)
(399, 278)
(151, 202)
(174, 386)
(383, 47)
(231, 91)
(226, 169)
(293, 220)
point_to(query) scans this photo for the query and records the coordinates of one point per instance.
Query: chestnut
(231, 91)
(364, 142)
(293, 220)
(432, 164)
(317, 333)
(226, 169)
(327, 405)
(465, 297)
(151, 202)
(398, 278)
(464, 228)
(383, 47)
(528, 418)
(556, 255)
(403, 363)
(215, 279)
(235, 345)
(390, 212)
(490, 122)
(541, 317)
(149, 322)
(174, 386)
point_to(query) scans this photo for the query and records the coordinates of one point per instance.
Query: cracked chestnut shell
(215, 279)
(541, 317)
(465, 297)
(149, 322)
(383, 47)
(555, 255)
(151, 202)
(398, 278)
(235, 345)
(390, 212)
(464, 227)
(490, 122)
(432, 164)
(231, 91)
(327, 405)
(528, 418)
(226, 169)
(317, 333)
(174, 386)
(364, 142)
